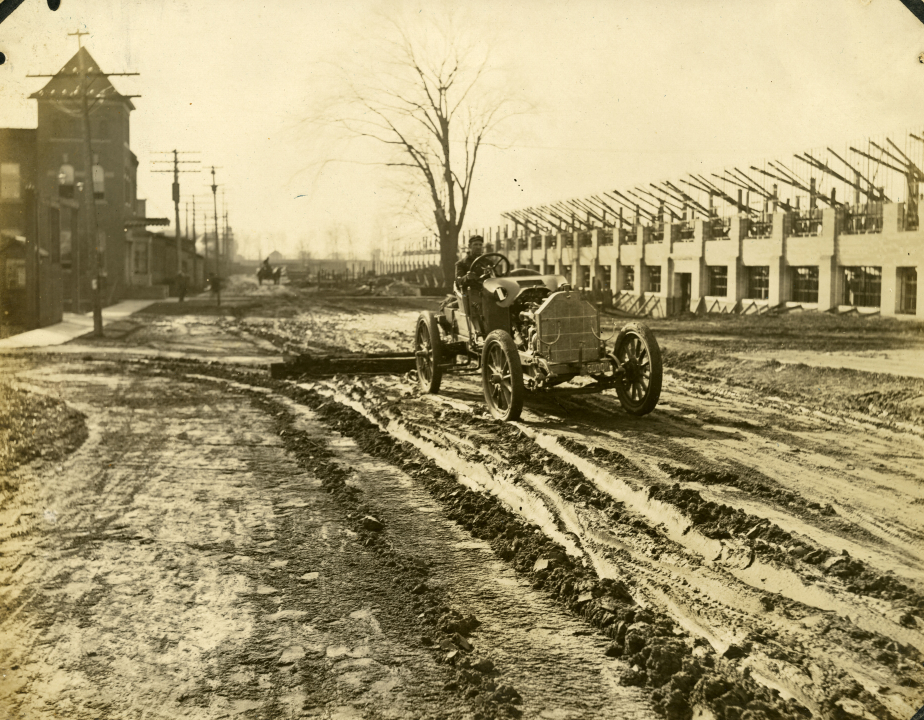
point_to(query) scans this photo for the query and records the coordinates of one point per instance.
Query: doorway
(684, 291)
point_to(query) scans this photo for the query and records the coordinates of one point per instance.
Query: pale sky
(625, 92)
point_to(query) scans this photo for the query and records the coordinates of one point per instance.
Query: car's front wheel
(502, 376)
(640, 357)
(429, 352)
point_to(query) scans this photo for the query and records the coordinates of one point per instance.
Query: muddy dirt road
(214, 543)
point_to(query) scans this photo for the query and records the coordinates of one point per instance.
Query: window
(66, 181)
(718, 280)
(585, 277)
(908, 290)
(863, 286)
(99, 183)
(140, 257)
(566, 271)
(68, 220)
(804, 284)
(654, 279)
(54, 233)
(9, 181)
(15, 274)
(607, 277)
(758, 285)
(63, 127)
(629, 279)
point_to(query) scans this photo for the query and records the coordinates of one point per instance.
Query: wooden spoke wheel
(429, 352)
(640, 357)
(502, 376)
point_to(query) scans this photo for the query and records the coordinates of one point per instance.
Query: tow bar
(387, 363)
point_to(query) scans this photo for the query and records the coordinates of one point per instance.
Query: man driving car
(467, 283)
(464, 275)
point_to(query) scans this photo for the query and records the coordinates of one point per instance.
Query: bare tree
(431, 99)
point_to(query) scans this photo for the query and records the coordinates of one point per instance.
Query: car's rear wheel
(502, 376)
(640, 357)
(429, 352)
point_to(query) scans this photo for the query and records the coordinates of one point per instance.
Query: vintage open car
(531, 332)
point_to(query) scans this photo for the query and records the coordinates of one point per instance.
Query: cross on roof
(79, 34)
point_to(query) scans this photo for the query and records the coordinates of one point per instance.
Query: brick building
(48, 186)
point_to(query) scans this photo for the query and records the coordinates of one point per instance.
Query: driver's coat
(464, 265)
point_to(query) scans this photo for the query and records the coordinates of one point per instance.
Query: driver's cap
(475, 239)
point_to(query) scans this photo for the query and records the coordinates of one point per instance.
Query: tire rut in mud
(720, 522)
(693, 674)
(678, 671)
(837, 691)
(447, 630)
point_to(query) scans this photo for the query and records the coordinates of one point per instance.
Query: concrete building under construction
(826, 231)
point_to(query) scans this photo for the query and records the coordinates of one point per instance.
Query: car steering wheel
(487, 265)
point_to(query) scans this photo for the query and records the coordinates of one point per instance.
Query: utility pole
(176, 193)
(217, 247)
(205, 235)
(88, 191)
(96, 254)
(226, 231)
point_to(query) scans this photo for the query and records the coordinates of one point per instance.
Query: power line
(176, 192)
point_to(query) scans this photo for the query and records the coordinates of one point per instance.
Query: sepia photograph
(383, 359)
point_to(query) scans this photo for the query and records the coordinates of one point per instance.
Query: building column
(828, 281)
(698, 281)
(777, 292)
(737, 233)
(639, 265)
(556, 256)
(893, 219)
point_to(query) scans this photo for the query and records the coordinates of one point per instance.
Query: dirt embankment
(35, 426)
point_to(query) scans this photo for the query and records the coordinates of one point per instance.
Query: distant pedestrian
(182, 283)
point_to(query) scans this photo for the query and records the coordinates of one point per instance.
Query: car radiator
(567, 329)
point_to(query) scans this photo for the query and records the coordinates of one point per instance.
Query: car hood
(513, 286)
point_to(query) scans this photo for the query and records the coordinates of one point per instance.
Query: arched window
(99, 183)
(66, 181)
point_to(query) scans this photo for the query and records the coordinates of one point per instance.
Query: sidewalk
(73, 326)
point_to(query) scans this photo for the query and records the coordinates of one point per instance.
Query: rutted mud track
(822, 607)
(735, 554)
(724, 582)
